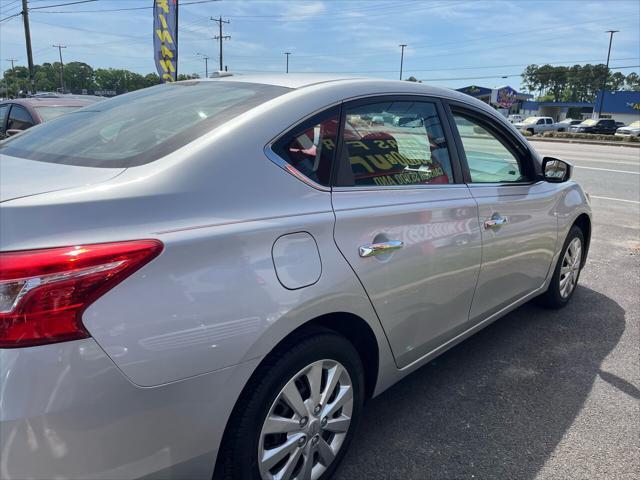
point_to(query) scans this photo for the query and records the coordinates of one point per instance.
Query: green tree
(632, 82)
(78, 76)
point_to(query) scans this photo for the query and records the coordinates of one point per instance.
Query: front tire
(296, 417)
(565, 276)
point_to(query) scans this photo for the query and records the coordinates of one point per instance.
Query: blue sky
(452, 43)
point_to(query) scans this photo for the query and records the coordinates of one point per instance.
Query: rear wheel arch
(348, 325)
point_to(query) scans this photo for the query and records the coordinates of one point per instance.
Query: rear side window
(4, 110)
(310, 147)
(395, 143)
(549, 121)
(141, 126)
(19, 118)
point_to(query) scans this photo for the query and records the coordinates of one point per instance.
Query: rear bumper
(66, 411)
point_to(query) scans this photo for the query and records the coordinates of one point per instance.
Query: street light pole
(287, 54)
(606, 73)
(60, 47)
(402, 45)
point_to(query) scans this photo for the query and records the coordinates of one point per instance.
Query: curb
(585, 141)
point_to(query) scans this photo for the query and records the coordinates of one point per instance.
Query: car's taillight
(44, 292)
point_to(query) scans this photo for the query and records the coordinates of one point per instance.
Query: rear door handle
(372, 249)
(495, 222)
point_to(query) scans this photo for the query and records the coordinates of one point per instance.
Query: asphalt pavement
(539, 394)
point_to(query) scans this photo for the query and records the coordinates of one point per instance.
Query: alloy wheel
(307, 423)
(570, 269)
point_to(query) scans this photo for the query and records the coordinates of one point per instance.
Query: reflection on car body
(218, 273)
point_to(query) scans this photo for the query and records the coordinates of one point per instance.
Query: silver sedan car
(210, 278)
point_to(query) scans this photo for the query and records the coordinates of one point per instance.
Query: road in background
(538, 394)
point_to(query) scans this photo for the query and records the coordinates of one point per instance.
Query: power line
(10, 17)
(116, 9)
(63, 4)
(498, 75)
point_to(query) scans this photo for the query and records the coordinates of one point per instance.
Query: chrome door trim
(287, 167)
(372, 249)
(495, 223)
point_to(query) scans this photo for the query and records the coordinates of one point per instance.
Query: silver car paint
(422, 292)
(198, 319)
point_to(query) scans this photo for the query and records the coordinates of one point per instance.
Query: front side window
(141, 126)
(19, 118)
(310, 147)
(489, 160)
(395, 143)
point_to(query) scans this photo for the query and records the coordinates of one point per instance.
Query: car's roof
(379, 85)
(288, 80)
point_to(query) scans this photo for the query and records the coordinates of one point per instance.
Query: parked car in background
(515, 118)
(605, 126)
(207, 279)
(538, 125)
(631, 130)
(23, 113)
(567, 123)
(620, 124)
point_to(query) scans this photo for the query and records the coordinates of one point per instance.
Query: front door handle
(379, 248)
(495, 222)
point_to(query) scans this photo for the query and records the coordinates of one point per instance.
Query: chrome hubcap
(570, 268)
(307, 423)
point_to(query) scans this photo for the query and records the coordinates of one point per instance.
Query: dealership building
(622, 106)
(505, 99)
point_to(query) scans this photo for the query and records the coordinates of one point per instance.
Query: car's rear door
(405, 222)
(517, 210)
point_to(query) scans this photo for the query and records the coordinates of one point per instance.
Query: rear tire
(250, 443)
(565, 276)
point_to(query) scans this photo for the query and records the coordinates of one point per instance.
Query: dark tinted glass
(4, 110)
(139, 127)
(310, 147)
(396, 143)
(19, 118)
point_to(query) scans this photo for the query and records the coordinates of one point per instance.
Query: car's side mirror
(555, 171)
(13, 131)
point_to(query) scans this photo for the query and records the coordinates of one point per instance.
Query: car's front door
(405, 222)
(516, 209)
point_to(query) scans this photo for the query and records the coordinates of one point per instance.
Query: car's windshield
(530, 120)
(589, 122)
(635, 124)
(49, 113)
(141, 126)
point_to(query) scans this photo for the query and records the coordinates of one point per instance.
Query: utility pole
(27, 37)
(606, 73)
(402, 45)
(60, 47)
(287, 54)
(206, 64)
(11, 60)
(220, 37)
